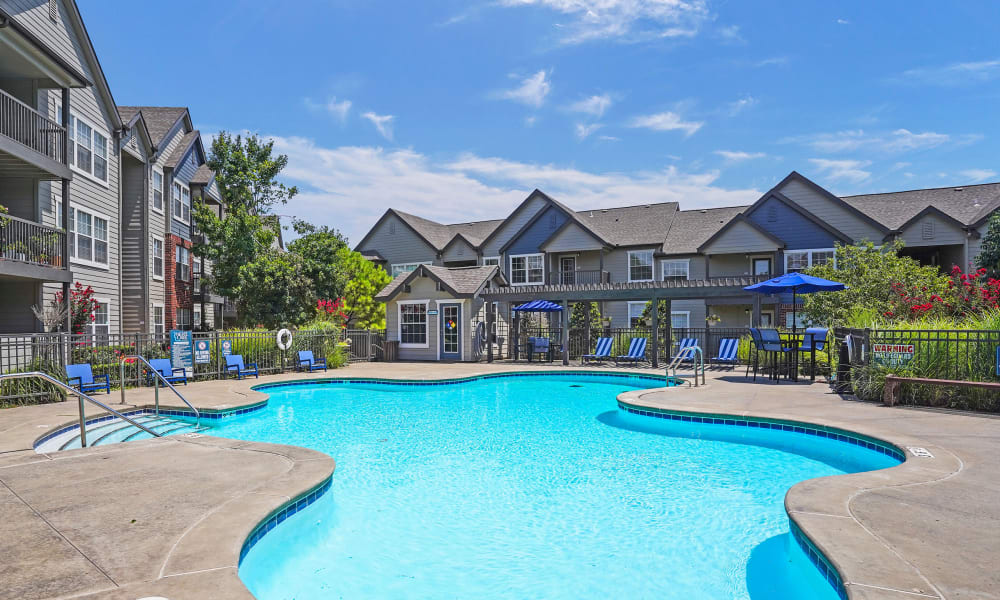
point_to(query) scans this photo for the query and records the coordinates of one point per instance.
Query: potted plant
(713, 320)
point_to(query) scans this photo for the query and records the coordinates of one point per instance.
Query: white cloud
(731, 33)
(900, 140)
(349, 187)
(332, 106)
(594, 105)
(530, 121)
(532, 91)
(847, 170)
(583, 131)
(738, 155)
(383, 123)
(625, 20)
(961, 73)
(978, 175)
(843, 22)
(609, 138)
(772, 61)
(666, 121)
(738, 106)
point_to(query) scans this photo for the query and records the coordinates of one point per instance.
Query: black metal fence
(51, 352)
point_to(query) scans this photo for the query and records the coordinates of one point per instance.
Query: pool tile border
(664, 381)
(278, 515)
(818, 559)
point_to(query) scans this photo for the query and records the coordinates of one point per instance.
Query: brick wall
(178, 293)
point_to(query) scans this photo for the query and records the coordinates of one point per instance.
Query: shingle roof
(463, 280)
(691, 228)
(476, 231)
(967, 204)
(159, 119)
(203, 175)
(181, 149)
(631, 225)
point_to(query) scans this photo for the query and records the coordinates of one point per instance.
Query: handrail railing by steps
(156, 387)
(81, 397)
(697, 358)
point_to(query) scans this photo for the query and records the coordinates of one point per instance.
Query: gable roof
(159, 119)
(967, 204)
(458, 281)
(795, 175)
(775, 195)
(190, 138)
(691, 229)
(203, 176)
(644, 224)
(76, 78)
(741, 218)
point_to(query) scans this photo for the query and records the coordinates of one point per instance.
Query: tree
(231, 243)
(247, 171)
(989, 250)
(274, 291)
(583, 314)
(364, 280)
(873, 277)
(319, 247)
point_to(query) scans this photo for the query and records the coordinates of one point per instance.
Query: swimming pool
(534, 487)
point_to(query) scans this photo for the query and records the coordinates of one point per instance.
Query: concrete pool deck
(168, 517)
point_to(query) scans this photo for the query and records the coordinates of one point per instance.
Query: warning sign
(892, 355)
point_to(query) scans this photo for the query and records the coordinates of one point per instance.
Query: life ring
(284, 334)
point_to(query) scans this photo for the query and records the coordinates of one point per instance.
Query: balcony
(30, 250)
(579, 277)
(31, 145)
(202, 292)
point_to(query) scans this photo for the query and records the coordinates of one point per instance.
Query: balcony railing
(29, 127)
(579, 277)
(29, 242)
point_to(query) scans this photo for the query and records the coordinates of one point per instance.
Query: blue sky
(456, 110)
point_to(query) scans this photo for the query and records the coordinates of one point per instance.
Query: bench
(893, 384)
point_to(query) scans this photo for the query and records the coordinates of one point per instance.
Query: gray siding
(18, 195)
(58, 36)
(133, 247)
(397, 243)
(572, 238)
(507, 230)
(618, 311)
(941, 232)
(425, 288)
(729, 265)
(16, 317)
(837, 216)
(741, 237)
(459, 252)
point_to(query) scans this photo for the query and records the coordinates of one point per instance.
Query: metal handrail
(698, 359)
(82, 397)
(156, 388)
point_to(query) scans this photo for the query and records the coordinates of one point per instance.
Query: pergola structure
(655, 291)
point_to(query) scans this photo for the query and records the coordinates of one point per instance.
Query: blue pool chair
(308, 363)
(82, 376)
(636, 352)
(683, 346)
(814, 339)
(539, 345)
(164, 367)
(234, 364)
(602, 351)
(728, 348)
(772, 344)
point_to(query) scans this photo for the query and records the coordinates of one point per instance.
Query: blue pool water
(533, 487)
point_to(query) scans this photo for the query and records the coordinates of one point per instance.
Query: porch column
(668, 332)
(65, 211)
(514, 335)
(656, 332)
(490, 334)
(565, 332)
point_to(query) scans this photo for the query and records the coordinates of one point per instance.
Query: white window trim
(93, 151)
(496, 258)
(393, 266)
(190, 264)
(652, 264)
(152, 189)
(440, 331)
(809, 255)
(510, 272)
(399, 324)
(663, 266)
(83, 261)
(89, 327)
(687, 317)
(628, 311)
(163, 259)
(152, 317)
(180, 218)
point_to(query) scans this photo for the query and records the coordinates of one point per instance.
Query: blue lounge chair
(308, 363)
(682, 349)
(636, 351)
(728, 348)
(164, 367)
(82, 376)
(602, 351)
(234, 364)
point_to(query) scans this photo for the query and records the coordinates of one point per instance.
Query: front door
(567, 270)
(451, 331)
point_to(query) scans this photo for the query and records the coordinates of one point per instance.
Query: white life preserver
(284, 334)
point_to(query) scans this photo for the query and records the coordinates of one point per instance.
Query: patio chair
(728, 348)
(815, 339)
(682, 349)
(636, 352)
(753, 359)
(772, 344)
(308, 363)
(601, 351)
(164, 367)
(540, 345)
(234, 364)
(82, 376)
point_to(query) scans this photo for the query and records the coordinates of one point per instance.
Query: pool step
(118, 430)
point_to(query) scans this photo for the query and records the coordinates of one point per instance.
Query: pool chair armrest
(78, 380)
(233, 368)
(107, 378)
(306, 363)
(248, 365)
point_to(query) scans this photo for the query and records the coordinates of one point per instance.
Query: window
(88, 147)
(100, 157)
(405, 268)
(101, 325)
(491, 260)
(197, 315)
(635, 310)
(680, 319)
(527, 269)
(197, 275)
(157, 258)
(158, 322)
(158, 191)
(88, 237)
(413, 324)
(183, 319)
(762, 266)
(797, 260)
(800, 321)
(675, 269)
(84, 144)
(640, 265)
(182, 203)
(182, 263)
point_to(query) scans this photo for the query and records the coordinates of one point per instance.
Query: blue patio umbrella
(796, 283)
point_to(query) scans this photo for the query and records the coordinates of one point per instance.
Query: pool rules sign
(892, 355)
